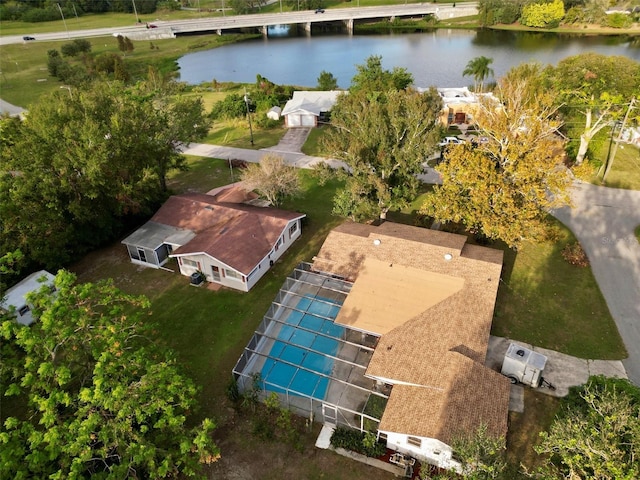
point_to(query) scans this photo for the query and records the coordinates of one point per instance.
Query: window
(382, 436)
(23, 310)
(232, 274)
(278, 244)
(416, 442)
(293, 229)
(190, 263)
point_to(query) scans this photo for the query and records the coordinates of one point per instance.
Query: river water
(434, 58)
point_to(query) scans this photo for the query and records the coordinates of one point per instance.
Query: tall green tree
(106, 145)
(326, 81)
(103, 401)
(371, 77)
(596, 435)
(480, 70)
(595, 91)
(504, 188)
(383, 139)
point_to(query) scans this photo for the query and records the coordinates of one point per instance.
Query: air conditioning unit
(196, 279)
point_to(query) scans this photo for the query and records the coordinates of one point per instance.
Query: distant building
(16, 297)
(307, 108)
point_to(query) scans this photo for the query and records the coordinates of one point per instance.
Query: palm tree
(479, 68)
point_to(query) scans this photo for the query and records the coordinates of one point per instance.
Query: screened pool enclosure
(315, 366)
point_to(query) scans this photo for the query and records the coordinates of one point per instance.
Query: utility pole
(135, 10)
(63, 21)
(246, 102)
(615, 145)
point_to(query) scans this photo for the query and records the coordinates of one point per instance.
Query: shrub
(79, 45)
(575, 255)
(233, 106)
(357, 442)
(619, 20)
(543, 15)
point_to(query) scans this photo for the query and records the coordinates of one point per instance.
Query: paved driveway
(604, 219)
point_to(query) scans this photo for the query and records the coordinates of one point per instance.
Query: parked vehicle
(450, 141)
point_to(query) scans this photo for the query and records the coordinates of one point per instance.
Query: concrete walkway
(603, 219)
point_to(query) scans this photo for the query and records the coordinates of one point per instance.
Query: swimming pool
(299, 361)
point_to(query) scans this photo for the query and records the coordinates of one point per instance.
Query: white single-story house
(459, 104)
(16, 296)
(308, 107)
(429, 296)
(231, 242)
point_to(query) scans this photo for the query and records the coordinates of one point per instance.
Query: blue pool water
(305, 348)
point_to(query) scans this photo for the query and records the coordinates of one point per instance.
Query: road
(257, 20)
(603, 219)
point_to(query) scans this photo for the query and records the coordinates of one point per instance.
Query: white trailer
(522, 365)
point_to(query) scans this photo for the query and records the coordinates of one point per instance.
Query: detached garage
(307, 107)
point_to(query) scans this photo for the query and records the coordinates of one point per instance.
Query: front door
(330, 414)
(216, 273)
(142, 255)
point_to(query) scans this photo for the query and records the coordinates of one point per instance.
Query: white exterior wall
(205, 265)
(206, 262)
(431, 450)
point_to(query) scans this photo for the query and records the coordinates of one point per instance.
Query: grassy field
(25, 77)
(541, 300)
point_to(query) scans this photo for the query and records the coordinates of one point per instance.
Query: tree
(383, 139)
(597, 434)
(503, 189)
(125, 45)
(326, 81)
(543, 15)
(105, 145)
(480, 454)
(479, 69)
(103, 401)
(77, 46)
(371, 77)
(272, 178)
(595, 91)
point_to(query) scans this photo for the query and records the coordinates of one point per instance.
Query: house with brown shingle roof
(223, 235)
(430, 297)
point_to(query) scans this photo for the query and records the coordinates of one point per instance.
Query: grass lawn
(312, 144)
(236, 133)
(545, 301)
(539, 412)
(625, 172)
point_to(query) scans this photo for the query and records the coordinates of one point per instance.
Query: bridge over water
(307, 18)
(261, 22)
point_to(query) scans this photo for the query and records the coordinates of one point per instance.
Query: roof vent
(448, 256)
(377, 242)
